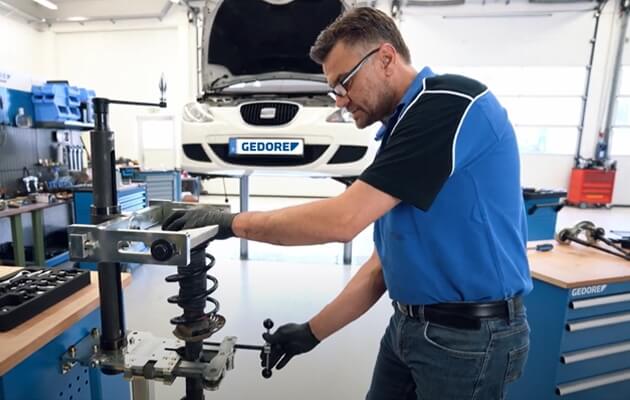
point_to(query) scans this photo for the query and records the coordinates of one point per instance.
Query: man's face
(363, 91)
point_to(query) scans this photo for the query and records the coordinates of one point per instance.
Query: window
(157, 141)
(543, 103)
(620, 132)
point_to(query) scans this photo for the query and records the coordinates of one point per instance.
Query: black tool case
(29, 291)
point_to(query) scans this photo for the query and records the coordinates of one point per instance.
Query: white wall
(621, 195)
(524, 34)
(125, 61)
(24, 50)
(622, 179)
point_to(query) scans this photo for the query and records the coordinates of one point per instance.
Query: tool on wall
(587, 234)
(114, 238)
(30, 181)
(66, 153)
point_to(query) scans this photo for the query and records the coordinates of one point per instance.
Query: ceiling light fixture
(47, 4)
(76, 19)
(175, 1)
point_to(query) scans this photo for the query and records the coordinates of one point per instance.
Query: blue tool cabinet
(39, 376)
(579, 314)
(541, 207)
(30, 353)
(131, 198)
(161, 185)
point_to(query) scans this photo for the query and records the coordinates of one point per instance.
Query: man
(450, 230)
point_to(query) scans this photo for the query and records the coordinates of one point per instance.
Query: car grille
(268, 113)
(195, 152)
(346, 154)
(311, 153)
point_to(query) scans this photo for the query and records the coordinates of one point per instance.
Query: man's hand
(289, 340)
(199, 217)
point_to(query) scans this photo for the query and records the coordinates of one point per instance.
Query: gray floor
(289, 285)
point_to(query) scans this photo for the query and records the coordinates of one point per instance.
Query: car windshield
(277, 86)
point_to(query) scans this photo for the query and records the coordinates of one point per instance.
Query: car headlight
(197, 112)
(340, 115)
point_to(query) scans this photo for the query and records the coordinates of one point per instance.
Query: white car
(266, 106)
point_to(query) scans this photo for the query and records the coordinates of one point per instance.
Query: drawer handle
(590, 383)
(598, 322)
(599, 301)
(602, 351)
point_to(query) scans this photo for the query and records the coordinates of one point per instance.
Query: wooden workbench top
(574, 265)
(9, 212)
(19, 343)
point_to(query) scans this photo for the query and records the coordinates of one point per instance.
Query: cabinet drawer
(160, 191)
(612, 386)
(134, 205)
(131, 197)
(596, 331)
(598, 360)
(584, 308)
(160, 178)
(160, 186)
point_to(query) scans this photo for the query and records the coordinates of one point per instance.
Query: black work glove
(199, 217)
(288, 340)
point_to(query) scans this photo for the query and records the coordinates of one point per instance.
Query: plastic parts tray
(29, 291)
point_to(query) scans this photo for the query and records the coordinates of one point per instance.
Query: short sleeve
(417, 157)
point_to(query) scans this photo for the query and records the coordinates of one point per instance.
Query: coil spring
(193, 295)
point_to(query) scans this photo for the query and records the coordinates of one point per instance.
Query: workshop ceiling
(90, 9)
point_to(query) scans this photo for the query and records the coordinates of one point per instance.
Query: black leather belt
(464, 315)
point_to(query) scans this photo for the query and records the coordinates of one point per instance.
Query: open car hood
(248, 40)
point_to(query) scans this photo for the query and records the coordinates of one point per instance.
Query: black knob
(162, 250)
(268, 324)
(600, 233)
(266, 373)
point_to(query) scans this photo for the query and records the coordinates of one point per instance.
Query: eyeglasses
(341, 88)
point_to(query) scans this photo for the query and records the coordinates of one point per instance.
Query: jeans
(426, 361)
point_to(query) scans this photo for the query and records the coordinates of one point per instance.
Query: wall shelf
(65, 125)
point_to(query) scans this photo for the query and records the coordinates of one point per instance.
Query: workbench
(579, 314)
(30, 354)
(37, 214)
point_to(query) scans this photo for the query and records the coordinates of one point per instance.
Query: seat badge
(268, 113)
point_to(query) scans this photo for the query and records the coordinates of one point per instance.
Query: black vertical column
(105, 207)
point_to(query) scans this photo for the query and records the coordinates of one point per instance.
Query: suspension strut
(195, 324)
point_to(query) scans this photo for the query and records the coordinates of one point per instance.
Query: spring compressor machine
(137, 238)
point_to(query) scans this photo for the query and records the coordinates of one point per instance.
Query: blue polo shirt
(459, 233)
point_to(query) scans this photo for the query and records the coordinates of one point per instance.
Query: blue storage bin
(86, 96)
(541, 207)
(50, 101)
(73, 98)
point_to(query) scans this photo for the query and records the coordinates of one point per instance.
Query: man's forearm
(316, 222)
(337, 219)
(363, 290)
